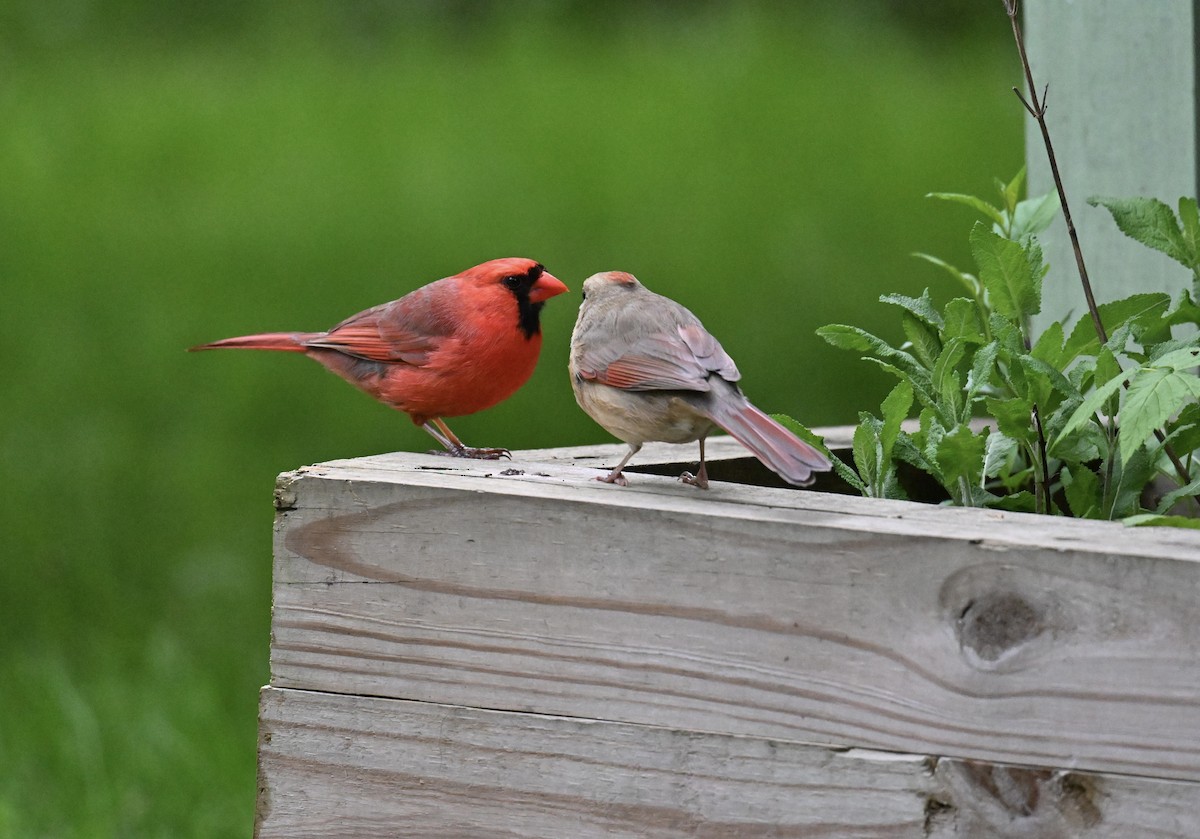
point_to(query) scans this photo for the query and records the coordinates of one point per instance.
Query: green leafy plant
(1078, 421)
(1062, 422)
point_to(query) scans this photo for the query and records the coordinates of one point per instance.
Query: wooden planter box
(473, 649)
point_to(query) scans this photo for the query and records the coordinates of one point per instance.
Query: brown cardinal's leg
(615, 476)
(700, 479)
(454, 446)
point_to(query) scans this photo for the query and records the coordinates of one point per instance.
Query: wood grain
(338, 766)
(776, 614)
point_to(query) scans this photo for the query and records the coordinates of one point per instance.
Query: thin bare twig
(1037, 109)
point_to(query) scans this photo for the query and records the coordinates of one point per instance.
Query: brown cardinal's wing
(708, 351)
(404, 331)
(682, 360)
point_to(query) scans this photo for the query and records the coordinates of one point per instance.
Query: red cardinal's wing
(682, 360)
(407, 330)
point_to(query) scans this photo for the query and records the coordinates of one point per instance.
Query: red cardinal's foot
(476, 454)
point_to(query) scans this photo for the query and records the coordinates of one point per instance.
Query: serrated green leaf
(859, 340)
(1120, 338)
(852, 338)
(1129, 479)
(1034, 215)
(921, 307)
(1157, 351)
(1005, 270)
(946, 383)
(895, 410)
(1184, 430)
(1190, 220)
(982, 367)
(1037, 261)
(1151, 222)
(994, 213)
(1081, 486)
(922, 338)
(1154, 394)
(1081, 372)
(1082, 445)
(1107, 367)
(961, 320)
(960, 456)
(998, 454)
(1013, 417)
(908, 451)
(1037, 381)
(1155, 520)
(1047, 378)
(891, 487)
(1049, 346)
(1138, 309)
(1183, 310)
(1184, 437)
(866, 452)
(1183, 358)
(931, 433)
(1007, 335)
(1011, 191)
(1094, 402)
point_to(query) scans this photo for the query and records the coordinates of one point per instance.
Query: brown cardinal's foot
(477, 454)
(700, 479)
(614, 477)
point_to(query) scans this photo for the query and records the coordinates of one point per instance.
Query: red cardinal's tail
(282, 341)
(782, 451)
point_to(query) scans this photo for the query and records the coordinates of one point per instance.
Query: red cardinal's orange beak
(547, 286)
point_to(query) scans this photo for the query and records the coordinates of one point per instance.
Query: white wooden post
(1122, 116)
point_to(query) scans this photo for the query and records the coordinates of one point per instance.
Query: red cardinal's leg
(454, 446)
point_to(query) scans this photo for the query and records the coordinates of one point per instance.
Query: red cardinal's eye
(512, 282)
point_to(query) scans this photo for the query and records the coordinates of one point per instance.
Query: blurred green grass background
(176, 173)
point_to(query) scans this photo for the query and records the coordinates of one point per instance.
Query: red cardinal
(645, 368)
(451, 348)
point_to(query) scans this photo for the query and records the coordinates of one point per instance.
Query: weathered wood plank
(356, 766)
(771, 613)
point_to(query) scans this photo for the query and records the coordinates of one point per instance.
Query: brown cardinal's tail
(282, 341)
(782, 451)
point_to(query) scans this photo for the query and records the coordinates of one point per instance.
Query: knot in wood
(994, 624)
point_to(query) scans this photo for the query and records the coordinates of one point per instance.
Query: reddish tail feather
(786, 454)
(282, 341)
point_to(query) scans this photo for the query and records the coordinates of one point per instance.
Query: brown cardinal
(451, 348)
(645, 368)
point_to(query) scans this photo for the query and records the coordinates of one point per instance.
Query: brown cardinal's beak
(547, 286)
